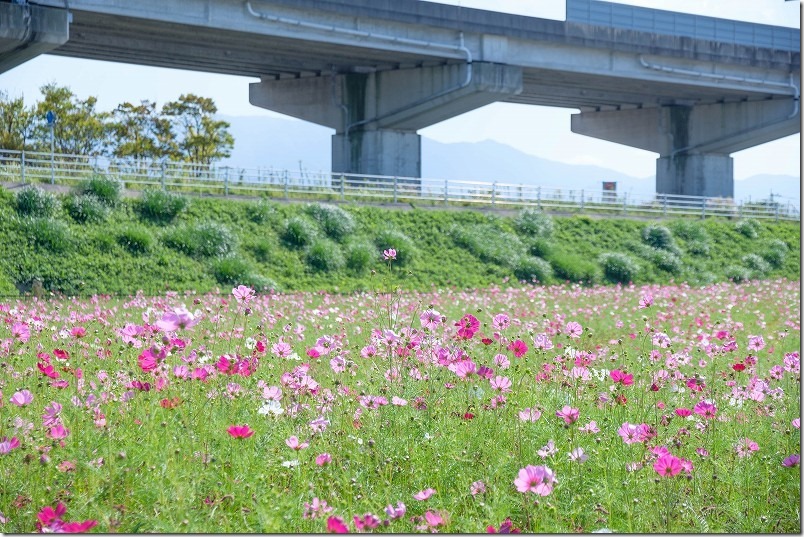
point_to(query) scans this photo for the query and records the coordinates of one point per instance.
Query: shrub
(489, 243)
(324, 256)
(574, 268)
(206, 239)
(391, 238)
(231, 271)
(737, 274)
(260, 212)
(665, 260)
(103, 241)
(86, 209)
(618, 268)
(160, 207)
(262, 249)
(298, 232)
(658, 237)
(748, 228)
(541, 248)
(689, 230)
(50, 234)
(33, 201)
(7, 287)
(258, 282)
(775, 252)
(334, 221)
(697, 247)
(534, 223)
(360, 256)
(531, 268)
(106, 189)
(756, 265)
(136, 239)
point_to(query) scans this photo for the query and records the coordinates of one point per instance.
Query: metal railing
(32, 167)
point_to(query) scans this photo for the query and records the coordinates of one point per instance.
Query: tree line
(181, 130)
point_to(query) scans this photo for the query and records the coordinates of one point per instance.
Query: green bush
(775, 252)
(136, 239)
(658, 236)
(748, 228)
(529, 268)
(298, 232)
(689, 230)
(489, 243)
(699, 248)
(103, 241)
(7, 287)
(574, 268)
(86, 209)
(664, 260)
(262, 249)
(324, 256)
(541, 248)
(617, 267)
(231, 271)
(50, 234)
(534, 223)
(260, 283)
(334, 221)
(360, 256)
(260, 212)
(392, 238)
(160, 207)
(737, 274)
(758, 266)
(106, 189)
(33, 201)
(206, 239)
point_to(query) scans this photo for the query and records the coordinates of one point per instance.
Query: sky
(540, 131)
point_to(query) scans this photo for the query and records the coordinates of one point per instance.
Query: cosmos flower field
(523, 408)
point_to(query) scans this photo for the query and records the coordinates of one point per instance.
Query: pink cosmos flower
(468, 326)
(506, 527)
(574, 330)
(430, 319)
(174, 320)
(500, 321)
(683, 412)
(568, 414)
(433, 519)
(791, 461)
(590, 427)
(335, 524)
(389, 254)
(478, 487)
(519, 348)
(756, 343)
(667, 465)
(646, 301)
(706, 409)
(6, 444)
(530, 414)
(395, 512)
(51, 416)
(78, 331)
(243, 294)
(501, 361)
(50, 521)
(22, 398)
(21, 332)
(578, 455)
(240, 431)
(536, 479)
(548, 450)
(746, 447)
(398, 401)
(323, 459)
(503, 384)
(58, 432)
(293, 443)
(630, 433)
(796, 423)
(424, 494)
(626, 379)
(542, 342)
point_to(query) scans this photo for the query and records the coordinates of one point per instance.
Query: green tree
(201, 138)
(16, 123)
(79, 128)
(140, 133)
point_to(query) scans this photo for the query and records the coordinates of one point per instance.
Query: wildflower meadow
(662, 408)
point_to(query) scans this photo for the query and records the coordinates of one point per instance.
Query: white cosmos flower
(271, 407)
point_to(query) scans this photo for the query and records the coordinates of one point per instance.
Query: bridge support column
(376, 115)
(694, 142)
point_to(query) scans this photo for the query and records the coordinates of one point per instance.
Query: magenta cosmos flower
(536, 479)
(389, 254)
(50, 521)
(468, 326)
(705, 409)
(667, 465)
(240, 431)
(568, 414)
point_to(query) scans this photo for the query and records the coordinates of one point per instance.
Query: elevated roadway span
(692, 89)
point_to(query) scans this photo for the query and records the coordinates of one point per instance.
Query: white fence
(30, 167)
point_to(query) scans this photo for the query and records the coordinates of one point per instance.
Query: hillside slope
(215, 243)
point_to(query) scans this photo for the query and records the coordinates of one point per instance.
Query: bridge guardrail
(34, 167)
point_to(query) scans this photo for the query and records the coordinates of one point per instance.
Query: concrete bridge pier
(376, 114)
(28, 30)
(694, 141)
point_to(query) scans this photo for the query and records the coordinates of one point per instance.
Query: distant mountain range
(286, 144)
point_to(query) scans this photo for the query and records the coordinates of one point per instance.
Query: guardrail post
(163, 171)
(396, 187)
(493, 193)
(342, 186)
(22, 167)
(539, 197)
(625, 202)
(226, 182)
(664, 204)
(740, 209)
(582, 200)
(446, 191)
(777, 212)
(286, 183)
(703, 208)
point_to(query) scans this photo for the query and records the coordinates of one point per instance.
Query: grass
(161, 460)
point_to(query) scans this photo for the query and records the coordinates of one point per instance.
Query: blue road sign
(51, 117)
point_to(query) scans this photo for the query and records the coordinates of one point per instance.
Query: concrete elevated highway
(692, 89)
